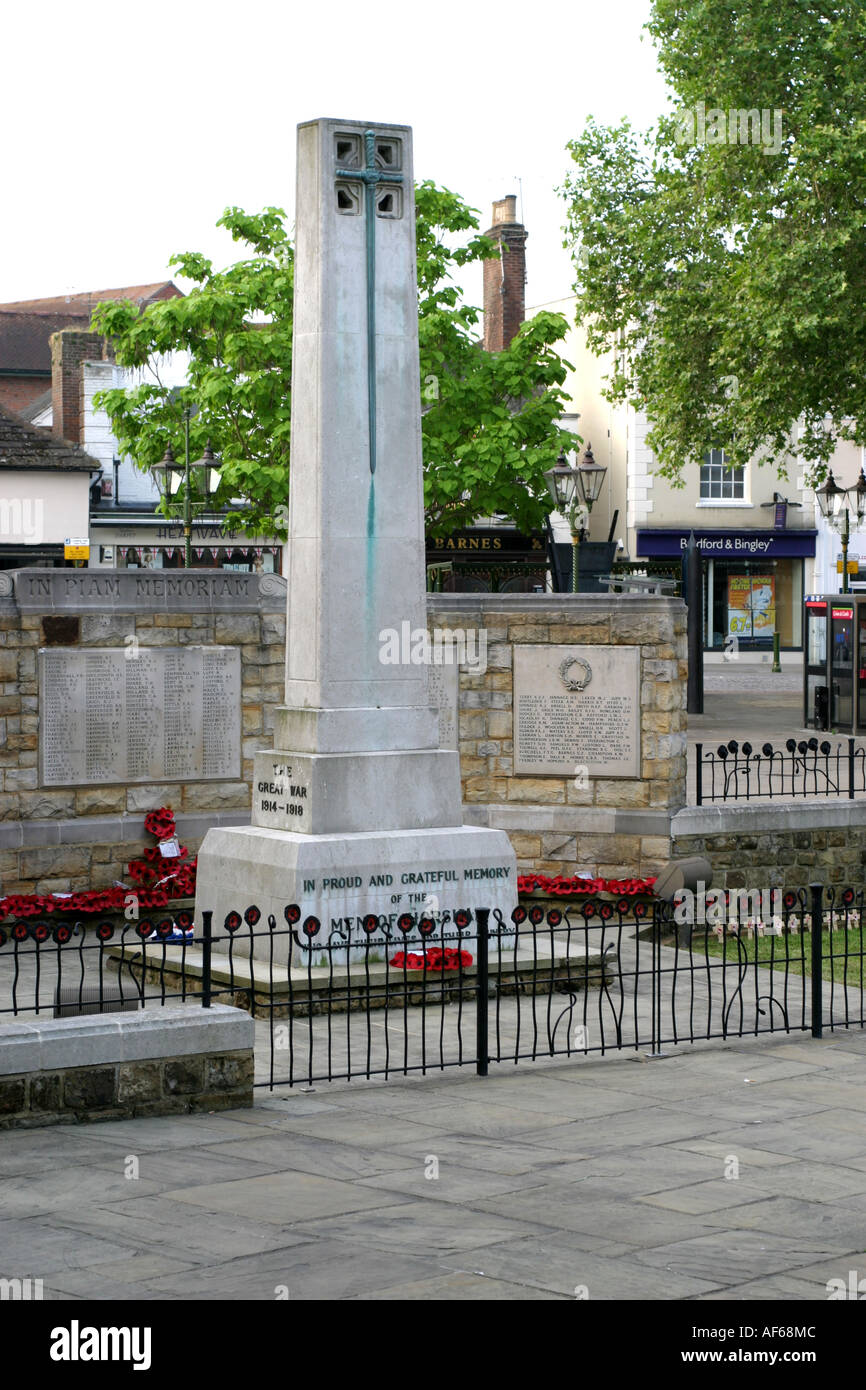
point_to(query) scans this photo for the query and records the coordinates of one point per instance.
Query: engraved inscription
(442, 687)
(556, 729)
(168, 714)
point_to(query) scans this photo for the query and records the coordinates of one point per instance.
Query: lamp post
(574, 492)
(170, 477)
(836, 504)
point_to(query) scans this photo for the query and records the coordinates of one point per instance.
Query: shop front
(752, 584)
(154, 543)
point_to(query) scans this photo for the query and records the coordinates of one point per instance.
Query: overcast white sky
(128, 128)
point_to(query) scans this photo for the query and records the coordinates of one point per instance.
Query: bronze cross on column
(371, 176)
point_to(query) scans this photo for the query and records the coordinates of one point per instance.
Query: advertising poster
(751, 605)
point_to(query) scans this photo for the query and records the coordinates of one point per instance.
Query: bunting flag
(123, 551)
(169, 550)
(259, 549)
(199, 551)
(215, 550)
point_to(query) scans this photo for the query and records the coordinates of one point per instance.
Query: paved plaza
(607, 1179)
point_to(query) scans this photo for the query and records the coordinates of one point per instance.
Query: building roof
(26, 325)
(26, 446)
(80, 305)
(28, 413)
(25, 348)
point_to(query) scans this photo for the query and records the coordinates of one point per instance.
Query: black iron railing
(480, 989)
(806, 767)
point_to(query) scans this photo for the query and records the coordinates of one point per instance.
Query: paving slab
(568, 1265)
(564, 1207)
(179, 1230)
(284, 1198)
(420, 1228)
(733, 1256)
(606, 1175)
(841, 1223)
(316, 1269)
(38, 1247)
(461, 1287)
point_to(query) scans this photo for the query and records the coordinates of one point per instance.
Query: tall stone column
(357, 780)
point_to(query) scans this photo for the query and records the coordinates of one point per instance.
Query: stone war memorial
(357, 810)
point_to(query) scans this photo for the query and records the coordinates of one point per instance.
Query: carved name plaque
(577, 708)
(442, 684)
(149, 714)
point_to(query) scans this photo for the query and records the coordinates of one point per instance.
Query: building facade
(763, 540)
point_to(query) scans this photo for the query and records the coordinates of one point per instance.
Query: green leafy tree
(489, 421)
(721, 257)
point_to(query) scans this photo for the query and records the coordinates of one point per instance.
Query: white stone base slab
(341, 879)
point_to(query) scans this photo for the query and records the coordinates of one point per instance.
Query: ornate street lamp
(170, 476)
(574, 492)
(836, 504)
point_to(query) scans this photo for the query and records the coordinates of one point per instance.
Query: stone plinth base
(338, 881)
(282, 993)
(331, 793)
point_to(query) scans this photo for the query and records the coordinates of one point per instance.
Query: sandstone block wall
(614, 827)
(776, 846)
(59, 839)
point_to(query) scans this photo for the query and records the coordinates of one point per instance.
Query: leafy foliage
(489, 420)
(727, 277)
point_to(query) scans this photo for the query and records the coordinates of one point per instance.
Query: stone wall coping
(813, 814)
(569, 606)
(591, 820)
(32, 834)
(57, 1044)
(91, 591)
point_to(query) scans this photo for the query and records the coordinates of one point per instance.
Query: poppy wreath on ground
(174, 874)
(154, 888)
(434, 959)
(560, 887)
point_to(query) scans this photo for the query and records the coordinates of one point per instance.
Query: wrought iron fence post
(817, 890)
(481, 993)
(850, 769)
(699, 773)
(206, 918)
(655, 979)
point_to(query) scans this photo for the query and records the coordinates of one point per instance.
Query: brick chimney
(69, 349)
(505, 277)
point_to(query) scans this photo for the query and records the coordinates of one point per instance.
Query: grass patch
(793, 952)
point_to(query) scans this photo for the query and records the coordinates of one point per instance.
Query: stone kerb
(611, 826)
(56, 839)
(163, 1061)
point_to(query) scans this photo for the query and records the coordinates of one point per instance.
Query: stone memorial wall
(120, 693)
(573, 737)
(598, 800)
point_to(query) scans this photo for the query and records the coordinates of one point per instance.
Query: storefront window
(748, 601)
